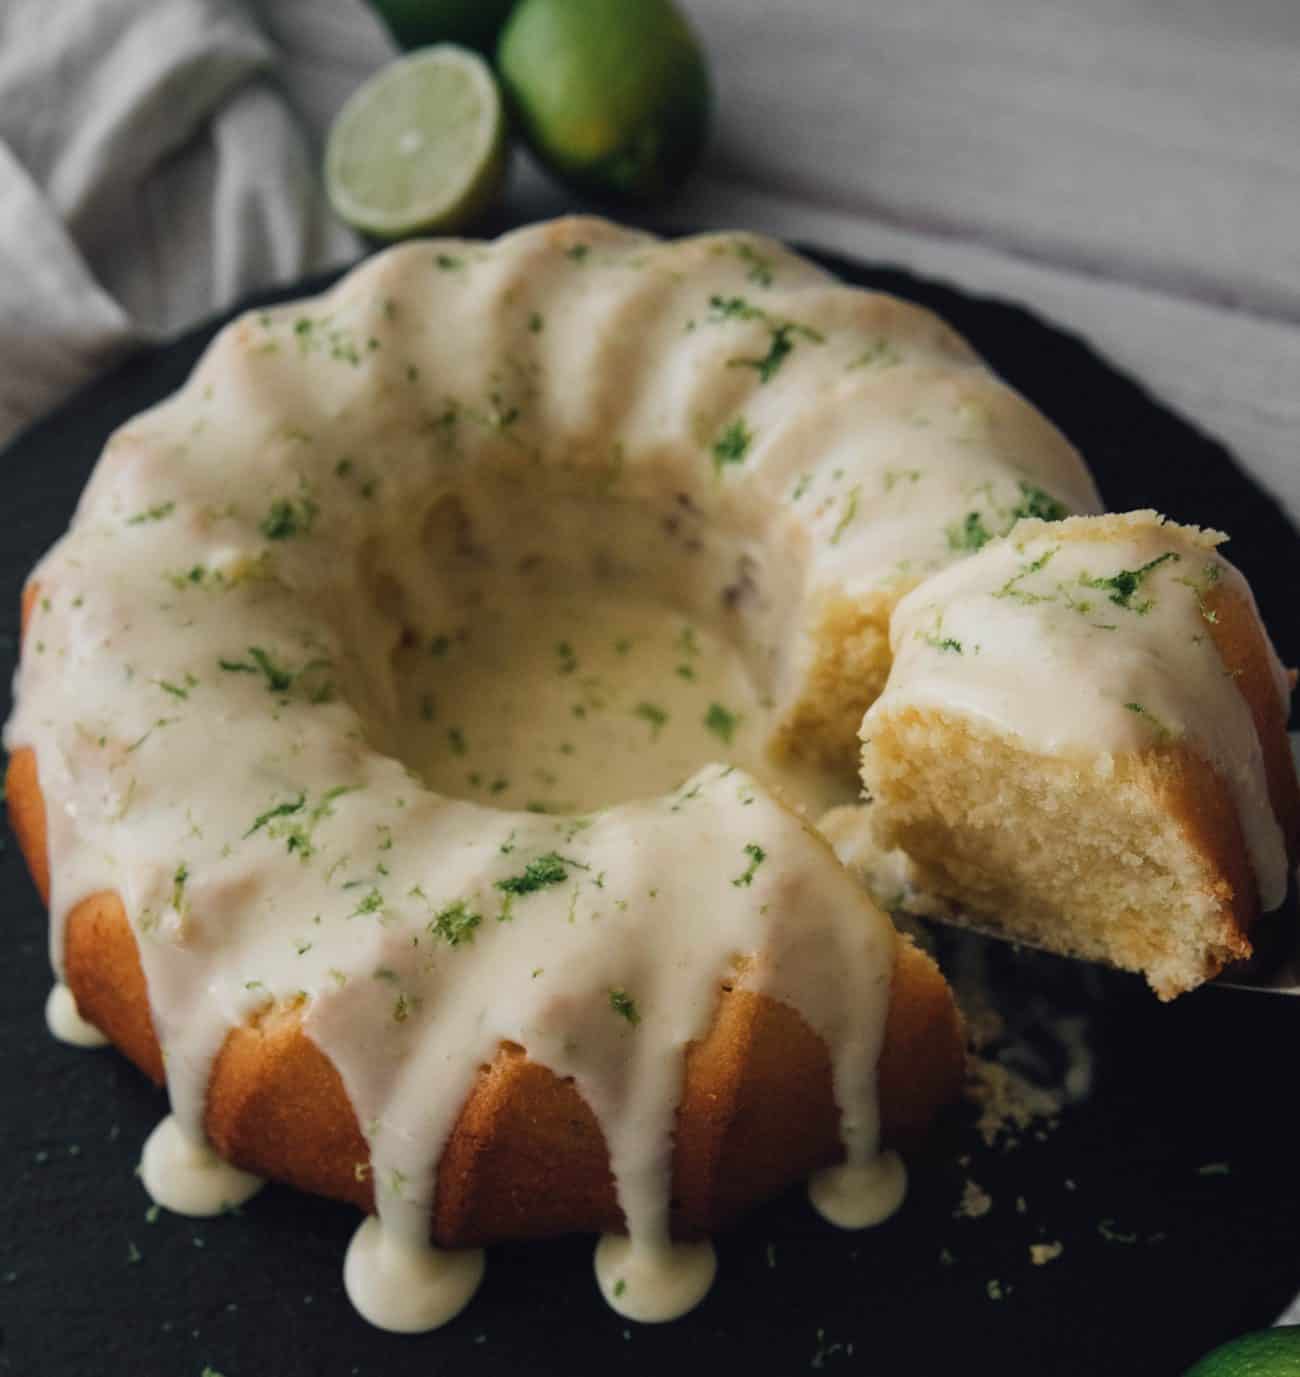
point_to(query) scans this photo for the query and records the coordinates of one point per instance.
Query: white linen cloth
(158, 160)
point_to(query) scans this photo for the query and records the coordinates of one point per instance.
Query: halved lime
(1266, 1353)
(614, 97)
(420, 147)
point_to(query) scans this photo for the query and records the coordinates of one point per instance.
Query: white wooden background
(1129, 167)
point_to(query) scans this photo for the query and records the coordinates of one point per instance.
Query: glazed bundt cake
(420, 734)
(369, 723)
(1083, 744)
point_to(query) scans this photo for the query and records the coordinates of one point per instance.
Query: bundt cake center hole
(561, 700)
(561, 653)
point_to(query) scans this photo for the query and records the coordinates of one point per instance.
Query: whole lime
(1267, 1353)
(471, 23)
(612, 95)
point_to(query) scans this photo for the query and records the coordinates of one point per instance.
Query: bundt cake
(419, 731)
(1082, 743)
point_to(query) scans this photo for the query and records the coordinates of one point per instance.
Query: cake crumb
(1043, 1253)
(975, 1202)
(1009, 1104)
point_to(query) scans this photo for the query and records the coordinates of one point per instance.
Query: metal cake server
(1273, 969)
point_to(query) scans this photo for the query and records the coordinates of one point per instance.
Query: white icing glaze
(653, 1283)
(64, 1020)
(228, 680)
(859, 1196)
(1034, 639)
(407, 1288)
(888, 873)
(552, 978)
(184, 1174)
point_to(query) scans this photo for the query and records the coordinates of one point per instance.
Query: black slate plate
(1173, 1187)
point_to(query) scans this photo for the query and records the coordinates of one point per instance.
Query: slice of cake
(1082, 744)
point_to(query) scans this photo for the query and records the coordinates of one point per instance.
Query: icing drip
(858, 1196)
(407, 1287)
(65, 1022)
(185, 1175)
(653, 1282)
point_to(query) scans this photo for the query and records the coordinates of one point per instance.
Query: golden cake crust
(526, 1158)
(1240, 640)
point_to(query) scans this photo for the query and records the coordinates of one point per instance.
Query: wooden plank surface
(1151, 140)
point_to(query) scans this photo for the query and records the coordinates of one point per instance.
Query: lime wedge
(420, 147)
